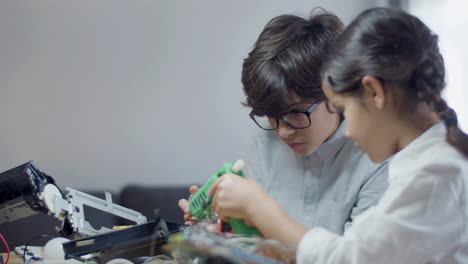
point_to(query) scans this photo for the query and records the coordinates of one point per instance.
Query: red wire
(7, 248)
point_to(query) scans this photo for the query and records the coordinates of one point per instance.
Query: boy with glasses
(300, 156)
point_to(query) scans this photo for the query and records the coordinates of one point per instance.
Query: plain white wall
(451, 17)
(105, 93)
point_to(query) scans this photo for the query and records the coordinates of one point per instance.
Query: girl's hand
(236, 197)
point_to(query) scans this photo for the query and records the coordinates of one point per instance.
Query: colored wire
(29, 242)
(6, 247)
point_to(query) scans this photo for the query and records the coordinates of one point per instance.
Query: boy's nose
(283, 130)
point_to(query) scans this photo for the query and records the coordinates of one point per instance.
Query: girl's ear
(374, 91)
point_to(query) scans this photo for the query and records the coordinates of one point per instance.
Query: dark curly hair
(397, 48)
(286, 61)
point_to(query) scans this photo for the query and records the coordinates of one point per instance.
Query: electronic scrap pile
(26, 190)
(194, 244)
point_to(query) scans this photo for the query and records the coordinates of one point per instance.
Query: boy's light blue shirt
(329, 188)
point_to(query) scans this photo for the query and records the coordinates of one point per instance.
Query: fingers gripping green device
(200, 203)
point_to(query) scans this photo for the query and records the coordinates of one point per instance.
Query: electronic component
(20, 192)
(25, 190)
(200, 203)
(133, 242)
(196, 243)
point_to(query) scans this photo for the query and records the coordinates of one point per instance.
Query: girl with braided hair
(386, 75)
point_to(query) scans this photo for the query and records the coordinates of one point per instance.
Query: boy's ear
(374, 91)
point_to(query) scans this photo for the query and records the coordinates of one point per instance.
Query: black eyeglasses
(297, 119)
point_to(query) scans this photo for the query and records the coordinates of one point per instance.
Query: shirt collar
(408, 154)
(328, 148)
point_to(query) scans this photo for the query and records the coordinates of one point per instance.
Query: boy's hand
(184, 206)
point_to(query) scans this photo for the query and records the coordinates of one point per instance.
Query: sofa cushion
(145, 199)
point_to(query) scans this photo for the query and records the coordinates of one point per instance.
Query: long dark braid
(429, 79)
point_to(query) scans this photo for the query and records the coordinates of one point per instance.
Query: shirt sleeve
(370, 193)
(417, 221)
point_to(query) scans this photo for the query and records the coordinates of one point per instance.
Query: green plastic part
(200, 204)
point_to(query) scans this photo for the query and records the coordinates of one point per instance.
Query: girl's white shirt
(422, 217)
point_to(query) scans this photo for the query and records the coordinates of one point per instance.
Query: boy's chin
(305, 152)
(377, 158)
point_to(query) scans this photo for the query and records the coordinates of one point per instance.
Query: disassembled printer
(25, 191)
